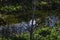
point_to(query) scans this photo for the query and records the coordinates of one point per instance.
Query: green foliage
(10, 8)
(20, 7)
(11, 19)
(24, 8)
(46, 34)
(18, 38)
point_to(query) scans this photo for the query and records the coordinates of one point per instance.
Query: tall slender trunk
(33, 9)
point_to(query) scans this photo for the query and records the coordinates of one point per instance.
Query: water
(24, 26)
(19, 27)
(51, 21)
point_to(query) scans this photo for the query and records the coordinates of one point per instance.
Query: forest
(29, 19)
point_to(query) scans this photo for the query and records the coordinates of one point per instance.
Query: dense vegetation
(23, 9)
(44, 33)
(15, 11)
